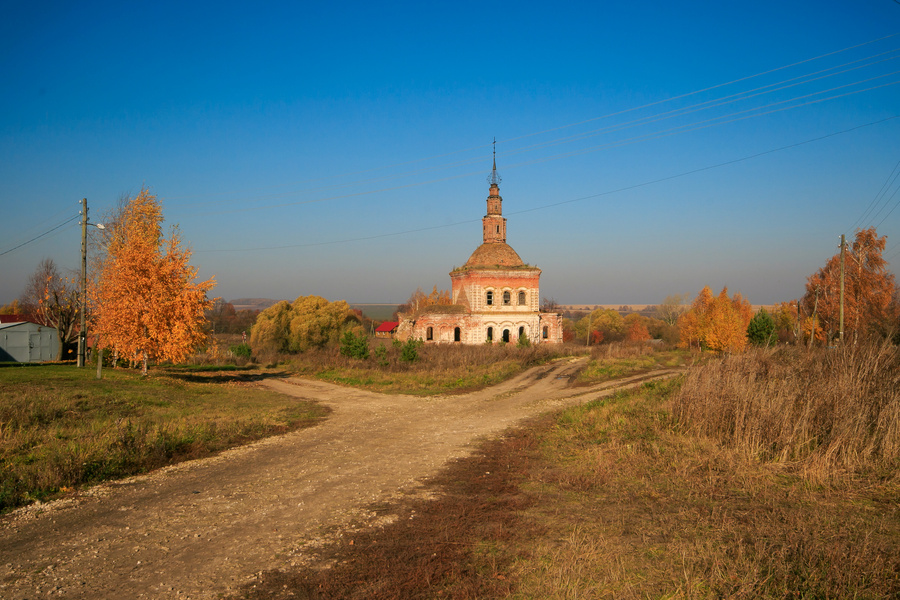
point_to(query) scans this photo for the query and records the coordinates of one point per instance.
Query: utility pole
(82, 334)
(843, 247)
(590, 322)
(812, 328)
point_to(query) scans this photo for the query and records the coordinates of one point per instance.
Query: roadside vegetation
(60, 428)
(433, 370)
(615, 361)
(686, 489)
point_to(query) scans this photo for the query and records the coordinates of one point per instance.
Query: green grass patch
(440, 369)
(616, 361)
(60, 428)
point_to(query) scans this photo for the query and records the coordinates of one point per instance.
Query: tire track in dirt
(203, 528)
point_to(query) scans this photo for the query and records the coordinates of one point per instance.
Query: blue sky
(646, 149)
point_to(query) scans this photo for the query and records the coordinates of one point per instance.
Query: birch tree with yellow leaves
(148, 305)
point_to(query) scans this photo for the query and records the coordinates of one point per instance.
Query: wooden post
(82, 334)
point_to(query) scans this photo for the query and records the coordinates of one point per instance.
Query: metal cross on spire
(494, 177)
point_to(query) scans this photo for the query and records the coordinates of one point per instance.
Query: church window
(546, 332)
(457, 335)
(521, 332)
(506, 336)
(521, 298)
(490, 336)
(506, 298)
(490, 298)
(429, 334)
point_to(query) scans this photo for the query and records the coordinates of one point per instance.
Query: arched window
(521, 332)
(457, 335)
(490, 336)
(490, 298)
(429, 334)
(521, 298)
(506, 298)
(506, 335)
(546, 332)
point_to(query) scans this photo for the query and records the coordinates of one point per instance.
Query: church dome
(493, 255)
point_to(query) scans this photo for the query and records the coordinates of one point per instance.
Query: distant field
(377, 312)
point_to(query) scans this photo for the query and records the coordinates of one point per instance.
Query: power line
(895, 172)
(41, 235)
(685, 128)
(651, 118)
(890, 211)
(555, 204)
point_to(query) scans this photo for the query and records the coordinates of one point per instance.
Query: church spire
(493, 223)
(494, 177)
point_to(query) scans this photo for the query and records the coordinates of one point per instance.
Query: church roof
(494, 255)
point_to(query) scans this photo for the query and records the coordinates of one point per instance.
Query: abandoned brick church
(495, 296)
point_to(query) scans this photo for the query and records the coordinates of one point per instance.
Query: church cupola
(493, 223)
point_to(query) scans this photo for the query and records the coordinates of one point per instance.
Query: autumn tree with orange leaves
(718, 324)
(148, 305)
(419, 300)
(870, 302)
(636, 329)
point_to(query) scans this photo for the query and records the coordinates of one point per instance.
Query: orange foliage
(419, 300)
(786, 315)
(636, 328)
(718, 324)
(148, 304)
(869, 289)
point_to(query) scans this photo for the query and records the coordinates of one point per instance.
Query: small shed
(28, 342)
(386, 329)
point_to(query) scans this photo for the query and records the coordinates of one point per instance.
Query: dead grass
(439, 369)
(619, 499)
(830, 412)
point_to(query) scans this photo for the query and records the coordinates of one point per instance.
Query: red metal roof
(13, 318)
(387, 326)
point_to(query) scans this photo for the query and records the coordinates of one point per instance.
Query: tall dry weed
(829, 411)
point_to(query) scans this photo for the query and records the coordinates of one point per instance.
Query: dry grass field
(691, 489)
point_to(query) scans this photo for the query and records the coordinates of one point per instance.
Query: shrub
(761, 330)
(241, 351)
(381, 355)
(410, 352)
(355, 346)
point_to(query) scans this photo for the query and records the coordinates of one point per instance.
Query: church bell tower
(493, 223)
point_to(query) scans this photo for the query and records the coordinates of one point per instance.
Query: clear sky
(342, 149)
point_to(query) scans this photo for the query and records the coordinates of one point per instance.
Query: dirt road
(203, 528)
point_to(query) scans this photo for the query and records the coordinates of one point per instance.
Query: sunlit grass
(624, 498)
(61, 428)
(614, 361)
(439, 368)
